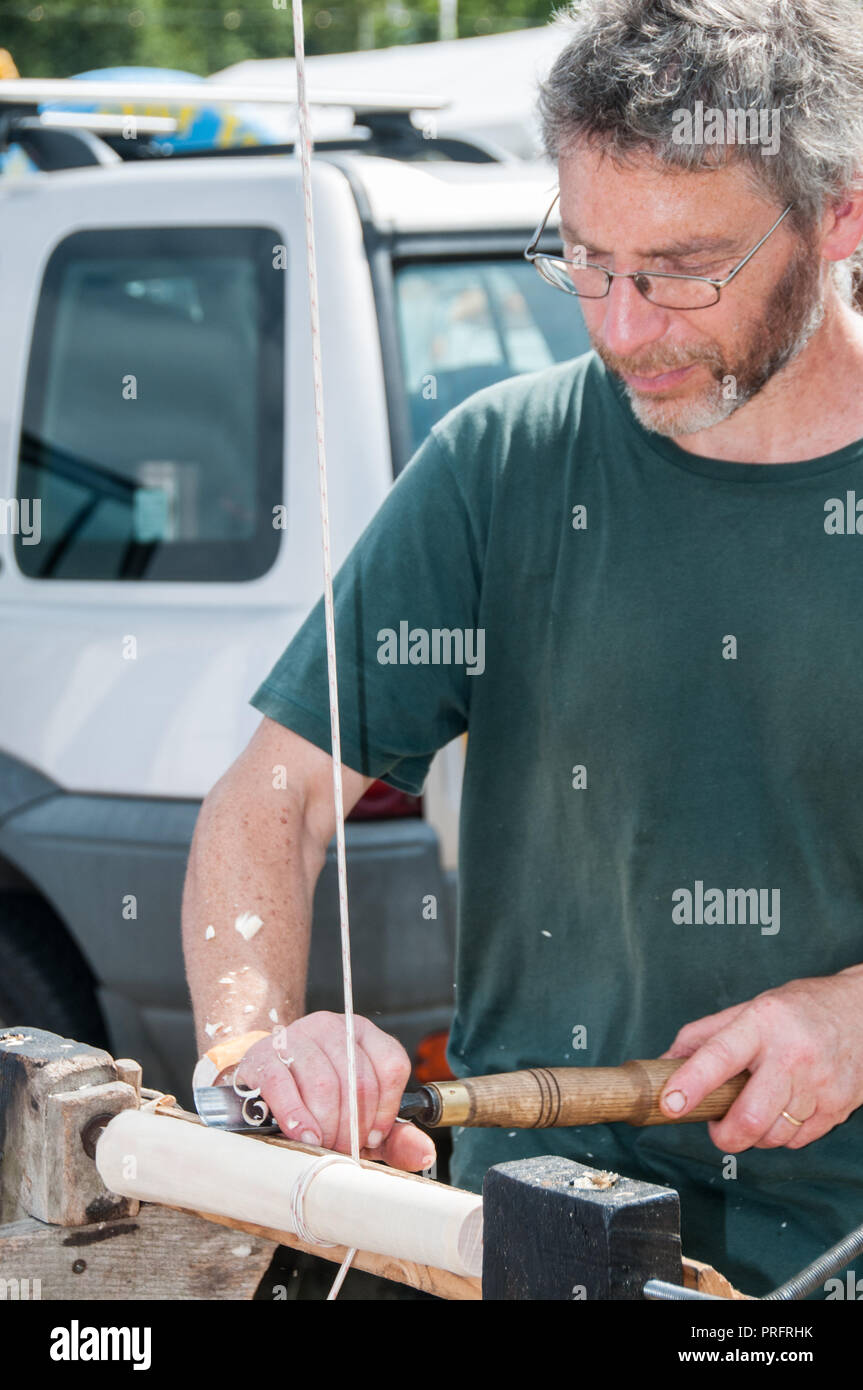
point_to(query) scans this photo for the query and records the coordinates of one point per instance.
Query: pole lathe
(160, 1159)
(554, 1228)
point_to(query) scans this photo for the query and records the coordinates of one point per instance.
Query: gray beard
(678, 419)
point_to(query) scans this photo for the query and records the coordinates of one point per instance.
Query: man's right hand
(302, 1074)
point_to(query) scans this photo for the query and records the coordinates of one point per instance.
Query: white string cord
(298, 1198)
(299, 1192)
(305, 146)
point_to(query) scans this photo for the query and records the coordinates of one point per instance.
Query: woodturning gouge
(543, 1097)
(538, 1098)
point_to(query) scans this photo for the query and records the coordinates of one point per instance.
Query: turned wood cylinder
(158, 1158)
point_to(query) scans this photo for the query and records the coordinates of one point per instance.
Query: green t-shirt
(661, 677)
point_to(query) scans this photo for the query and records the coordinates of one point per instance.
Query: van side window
(153, 419)
(465, 324)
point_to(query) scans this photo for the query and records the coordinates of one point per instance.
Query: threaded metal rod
(799, 1286)
(661, 1289)
(834, 1259)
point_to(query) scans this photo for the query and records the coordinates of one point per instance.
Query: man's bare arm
(257, 852)
(259, 846)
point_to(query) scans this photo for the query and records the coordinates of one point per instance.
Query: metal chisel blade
(222, 1108)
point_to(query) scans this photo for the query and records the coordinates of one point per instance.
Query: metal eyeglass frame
(531, 254)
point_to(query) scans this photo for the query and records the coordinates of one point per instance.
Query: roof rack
(33, 91)
(73, 139)
(101, 122)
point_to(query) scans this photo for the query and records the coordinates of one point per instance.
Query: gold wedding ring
(791, 1118)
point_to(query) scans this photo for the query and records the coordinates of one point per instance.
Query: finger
(720, 1057)
(392, 1068)
(693, 1035)
(367, 1097)
(754, 1112)
(302, 1090)
(407, 1147)
(815, 1128)
(319, 1044)
(783, 1129)
(279, 1090)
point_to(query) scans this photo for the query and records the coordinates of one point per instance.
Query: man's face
(686, 370)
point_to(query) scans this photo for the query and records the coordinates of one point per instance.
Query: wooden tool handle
(563, 1096)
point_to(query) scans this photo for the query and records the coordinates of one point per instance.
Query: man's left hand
(802, 1044)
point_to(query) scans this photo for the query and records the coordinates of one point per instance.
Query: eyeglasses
(663, 288)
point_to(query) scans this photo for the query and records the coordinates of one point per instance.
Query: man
(662, 832)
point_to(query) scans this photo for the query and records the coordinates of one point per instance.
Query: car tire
(44, 980)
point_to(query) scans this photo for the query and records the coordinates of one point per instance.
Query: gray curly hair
(630, 65)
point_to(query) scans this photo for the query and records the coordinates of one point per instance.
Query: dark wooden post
(558, 1230)
(51, 1090)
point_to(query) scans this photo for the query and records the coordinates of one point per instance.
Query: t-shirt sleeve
(407, 646)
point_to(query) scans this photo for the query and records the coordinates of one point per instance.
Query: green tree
(65, 36)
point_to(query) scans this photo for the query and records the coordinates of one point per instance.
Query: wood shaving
(590, 1181)
(248, 925)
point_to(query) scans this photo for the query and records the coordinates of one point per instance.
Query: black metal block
(555, 1231)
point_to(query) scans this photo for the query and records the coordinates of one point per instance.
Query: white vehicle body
(169, 722)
